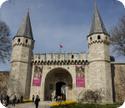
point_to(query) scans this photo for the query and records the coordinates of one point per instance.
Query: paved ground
(31, 105)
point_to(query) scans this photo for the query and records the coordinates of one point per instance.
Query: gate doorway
(61, 90)
(58, 82)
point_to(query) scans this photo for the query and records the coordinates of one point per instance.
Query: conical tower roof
(25, 29)
(97, 25)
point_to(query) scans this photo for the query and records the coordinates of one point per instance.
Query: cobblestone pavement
(30, 105)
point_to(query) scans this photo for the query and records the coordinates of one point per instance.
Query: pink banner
(80, 76)
(37, 78)
(36, 81)
(80, 81)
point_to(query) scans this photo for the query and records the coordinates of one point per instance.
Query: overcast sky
(56, 22)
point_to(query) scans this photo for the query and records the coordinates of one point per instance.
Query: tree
(5, 42)
(3, 82)
(118, 37)
(91, 96)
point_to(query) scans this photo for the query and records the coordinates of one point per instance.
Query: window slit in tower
(19, 40)
(99, 37)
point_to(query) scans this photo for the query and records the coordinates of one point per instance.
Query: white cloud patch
(122, 1)
(2, 1)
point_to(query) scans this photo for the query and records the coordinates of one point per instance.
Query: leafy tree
(5, 42)
(118, 37)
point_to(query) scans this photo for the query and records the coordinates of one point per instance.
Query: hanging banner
(37, 77)
(80, 76)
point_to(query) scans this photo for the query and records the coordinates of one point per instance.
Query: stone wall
(118, 72)
(3, 81)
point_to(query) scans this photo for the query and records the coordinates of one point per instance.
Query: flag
(61, 46)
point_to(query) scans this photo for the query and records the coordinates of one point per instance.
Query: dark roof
(25, 29)
(97, 25)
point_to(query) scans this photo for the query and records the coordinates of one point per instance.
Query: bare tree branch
(91, 96)
(118, 37)
(5, 42)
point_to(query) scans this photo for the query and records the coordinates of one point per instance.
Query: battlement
(60, 58)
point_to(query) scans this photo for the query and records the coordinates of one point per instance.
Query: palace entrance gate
(58, 82)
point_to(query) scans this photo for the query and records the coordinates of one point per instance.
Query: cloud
(2, 1)
(122, 1)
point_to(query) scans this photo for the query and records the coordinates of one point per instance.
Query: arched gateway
(58, 82)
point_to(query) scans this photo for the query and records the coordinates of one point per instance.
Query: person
(37, 101)
(50, 97)
(14, 100)
(21, 99)
(1, 98)
(7, 100)
(33, 97)
(4, 102)
(55, 97)
(18, 99)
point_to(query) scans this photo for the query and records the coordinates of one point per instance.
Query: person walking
(21, 99)
(14, 100)
(33, 97)
(7, 100)
(1, 98)
(37, 101)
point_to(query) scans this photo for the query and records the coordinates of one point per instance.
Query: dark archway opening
(61, 90)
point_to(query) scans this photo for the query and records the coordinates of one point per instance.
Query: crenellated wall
(60, 58)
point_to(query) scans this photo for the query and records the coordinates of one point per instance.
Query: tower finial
(94, 2)
(25, 29)
(97, 25)
(28, 10)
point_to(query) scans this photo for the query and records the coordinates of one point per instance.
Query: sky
(56, 22)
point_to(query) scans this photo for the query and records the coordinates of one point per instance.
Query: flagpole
(60, 50)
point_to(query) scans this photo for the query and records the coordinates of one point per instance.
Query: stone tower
(99, 73)
(22, 46)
